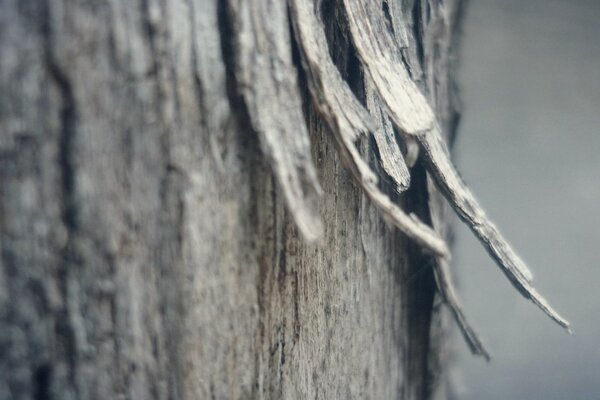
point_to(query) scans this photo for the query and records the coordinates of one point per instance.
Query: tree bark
(150, 250)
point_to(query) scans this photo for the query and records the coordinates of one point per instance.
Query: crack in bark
(66, 326)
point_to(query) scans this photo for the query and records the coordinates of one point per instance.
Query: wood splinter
(410, 112)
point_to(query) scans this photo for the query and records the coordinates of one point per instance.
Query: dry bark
(161, 166)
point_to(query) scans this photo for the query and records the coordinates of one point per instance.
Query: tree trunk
(149, 249)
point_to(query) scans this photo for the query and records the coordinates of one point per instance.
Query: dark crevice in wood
(198, 84)
(354, 75)
(385, 7)
(454, 124)
(170, 256)
(417, 26)
(65, 331)
(327, 11)
(68, 120)
(420, 290)
(302, 78)
(41, 382)
(240, 117)
(341, 52)
(150, 33)
(454, 98)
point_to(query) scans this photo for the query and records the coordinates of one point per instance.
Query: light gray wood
(162, 163)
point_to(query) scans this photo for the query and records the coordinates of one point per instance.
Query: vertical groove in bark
(146, 248)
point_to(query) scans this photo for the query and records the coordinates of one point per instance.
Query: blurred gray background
(529, 148)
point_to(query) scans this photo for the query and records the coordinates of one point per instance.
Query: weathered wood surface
(146, 248)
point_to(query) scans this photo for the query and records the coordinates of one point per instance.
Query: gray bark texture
(179, 221)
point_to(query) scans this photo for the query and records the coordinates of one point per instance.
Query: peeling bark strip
(374, 44)
(411, 113)
(326, 85)
(348, 119)
(390, 155)
(469, 210)
(268, 84)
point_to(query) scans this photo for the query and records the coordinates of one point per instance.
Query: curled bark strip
(448, 293)
(268, 83)
(347, 119)
(468, 209)
(406, 105)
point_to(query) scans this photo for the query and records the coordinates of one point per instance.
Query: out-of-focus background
(529, 147)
